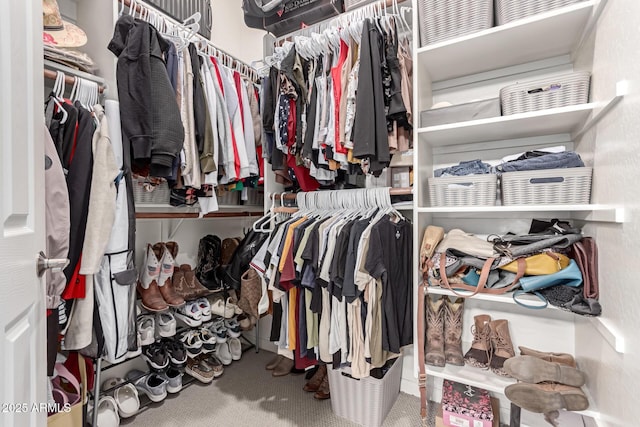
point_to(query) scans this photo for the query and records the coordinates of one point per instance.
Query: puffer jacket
(151, 117)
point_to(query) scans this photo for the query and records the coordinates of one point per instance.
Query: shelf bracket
(610, 334)
(622, 88)
(589, 27)
(174, 230)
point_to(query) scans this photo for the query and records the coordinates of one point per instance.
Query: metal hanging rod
(399, 191)
(140, 7)
(70, 74)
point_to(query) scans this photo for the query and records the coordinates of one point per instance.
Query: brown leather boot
(274, 362)
(434, 353)
(313, 384)
(193, 283)
(480, 352)
(165, 284)
(546, 398)
(502, 346)
(283, 367)
(453, 331)
(151, 297)
(180, 285)
(562, 358)
(323, 391)
(530, 369)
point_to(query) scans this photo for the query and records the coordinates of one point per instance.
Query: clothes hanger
(264, 217)
(58, 93)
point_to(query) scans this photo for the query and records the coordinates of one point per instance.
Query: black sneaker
(156, 356)
(176, 352)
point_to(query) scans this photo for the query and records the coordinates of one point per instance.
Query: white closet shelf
(553, 121)
(503, 299)
(484, 378)
(593, 213)
(554, 33)
(161, 211)
(475, 377)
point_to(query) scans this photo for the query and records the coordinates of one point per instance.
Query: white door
(22, 310)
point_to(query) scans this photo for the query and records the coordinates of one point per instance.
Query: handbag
(569, 276)
(521, 245)
(585, 253)
(73, 417)
(432, 237)
(540, 264)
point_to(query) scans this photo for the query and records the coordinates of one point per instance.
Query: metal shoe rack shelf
(481, 63)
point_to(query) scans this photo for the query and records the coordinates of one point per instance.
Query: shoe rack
(476, 66)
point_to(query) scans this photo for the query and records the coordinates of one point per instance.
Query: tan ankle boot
(313, 384)
(480, 352)
(250, 294)
(434, 354)
(562, 358)
(502, 346)
(530, 369)
(453, 331)
(546, 398)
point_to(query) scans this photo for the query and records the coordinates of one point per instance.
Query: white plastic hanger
(58, 93)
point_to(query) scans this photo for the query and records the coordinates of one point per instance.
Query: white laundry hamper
(365, 401)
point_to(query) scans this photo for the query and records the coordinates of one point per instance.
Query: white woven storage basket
(512, 10)
(445, 19)
(470, 190)
(569, 186)
(365, 401)
(557, 91)
(146, 193)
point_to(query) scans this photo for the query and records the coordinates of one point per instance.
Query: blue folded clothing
(471, 167)
(565, 159)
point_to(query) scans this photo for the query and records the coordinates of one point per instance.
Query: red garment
(303, 175)
(300, 362)
(260, 164)
(77, 286)
(336, 75)
(236, 156)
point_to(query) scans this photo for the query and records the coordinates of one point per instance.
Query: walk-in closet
(378, 213)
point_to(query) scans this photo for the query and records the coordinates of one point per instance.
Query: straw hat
(57, 32)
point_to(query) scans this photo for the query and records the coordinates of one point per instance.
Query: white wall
(613, 377)
(231, 34)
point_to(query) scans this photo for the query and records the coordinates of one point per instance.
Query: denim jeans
(566, 159)
(464, 168)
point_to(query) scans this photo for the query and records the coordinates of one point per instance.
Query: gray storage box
(484, 109)
(365, 401)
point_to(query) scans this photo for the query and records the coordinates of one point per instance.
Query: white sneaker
(107, 412)
(192, 342)
(236, 309)
(223, 353)
(146, 327)
(208, 340)
(235, 348)
(219, 308)
(233, 327)
(189, 314)
(218, 329)
(166, 324)
(205, 308)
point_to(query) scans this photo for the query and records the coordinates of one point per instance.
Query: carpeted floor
(246, 395)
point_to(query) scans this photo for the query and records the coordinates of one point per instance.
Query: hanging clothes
(343, 285)
(151, 119)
